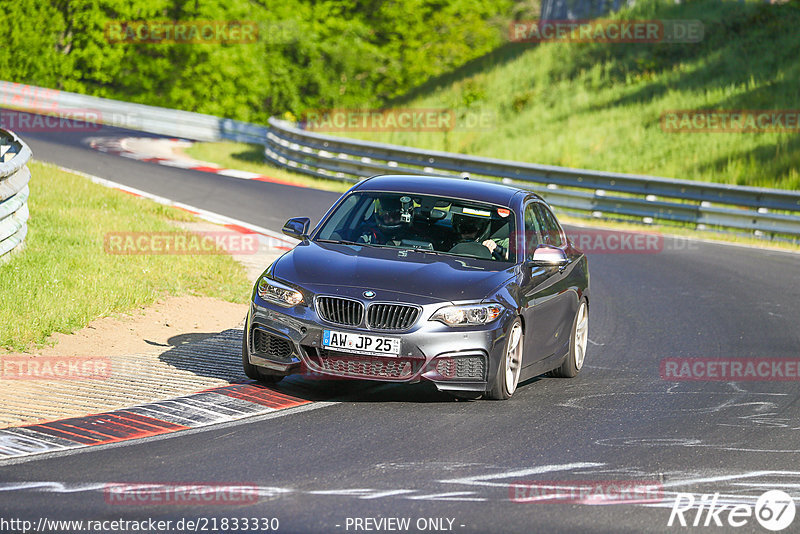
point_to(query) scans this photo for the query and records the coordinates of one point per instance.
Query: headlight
(280, 294)
(467, 315)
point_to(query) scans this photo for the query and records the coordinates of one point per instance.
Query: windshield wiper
(337, 241)
(376, 245)
(426, 251)
(345, 242)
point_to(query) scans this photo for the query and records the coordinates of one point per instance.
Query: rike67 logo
(774, 510)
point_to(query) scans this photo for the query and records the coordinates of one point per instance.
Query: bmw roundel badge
(369, 294)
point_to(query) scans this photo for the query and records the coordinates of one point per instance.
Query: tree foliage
(309, 55)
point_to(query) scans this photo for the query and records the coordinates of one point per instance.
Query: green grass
(598, 106)
(64, 278)
(246, 157)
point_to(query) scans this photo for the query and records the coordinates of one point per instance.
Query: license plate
(361, 343)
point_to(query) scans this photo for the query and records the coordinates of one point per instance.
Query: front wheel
(507, 378)
(577, 344)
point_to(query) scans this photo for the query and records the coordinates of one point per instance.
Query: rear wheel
(577, 344)
(252, 371)
(507, 378)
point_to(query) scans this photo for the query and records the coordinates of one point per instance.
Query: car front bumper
(453, 358)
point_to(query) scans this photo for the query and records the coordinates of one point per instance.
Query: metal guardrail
(761, 211)
(14, 178)
(157, 120)
(579, 9)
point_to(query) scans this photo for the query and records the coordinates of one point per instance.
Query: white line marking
(178, 164)
(723, 478)
(451, 496)
(233, 173)
(362, 493)
(52, 487)
(481, 480)
(203, 214)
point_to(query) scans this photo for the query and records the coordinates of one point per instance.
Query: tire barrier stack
(14, 178)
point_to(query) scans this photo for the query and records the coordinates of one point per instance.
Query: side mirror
(297, 227)
(549, 256)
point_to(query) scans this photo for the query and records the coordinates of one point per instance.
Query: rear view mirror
(297, 227)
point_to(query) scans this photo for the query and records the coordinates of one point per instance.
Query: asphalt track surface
(367, 450)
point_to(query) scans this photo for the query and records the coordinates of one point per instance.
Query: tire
(577, 344)
(253, 372)
(507, 378)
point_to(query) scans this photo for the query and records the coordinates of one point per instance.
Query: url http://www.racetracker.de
(148, 525)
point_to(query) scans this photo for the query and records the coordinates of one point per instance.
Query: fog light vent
(446, 367)
(273, 347)
(462, 367)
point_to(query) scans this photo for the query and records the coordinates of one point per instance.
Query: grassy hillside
(598, 106)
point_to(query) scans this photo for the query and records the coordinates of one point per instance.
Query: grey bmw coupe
(473, 286)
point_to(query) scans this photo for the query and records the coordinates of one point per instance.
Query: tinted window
(552, 230)
(533, 230)
(412, 221)
(343, 220)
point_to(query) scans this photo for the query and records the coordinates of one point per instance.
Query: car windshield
(425, 223)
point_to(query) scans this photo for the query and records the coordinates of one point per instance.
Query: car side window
(552, 230)
(533, 230)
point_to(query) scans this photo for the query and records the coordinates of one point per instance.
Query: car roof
(493, 193)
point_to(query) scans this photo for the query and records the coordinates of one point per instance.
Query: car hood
(320, 267)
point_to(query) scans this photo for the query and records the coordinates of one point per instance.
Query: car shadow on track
(219, 356)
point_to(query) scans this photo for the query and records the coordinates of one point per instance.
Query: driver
(386, 223)
(474, 229)
(469, 228)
